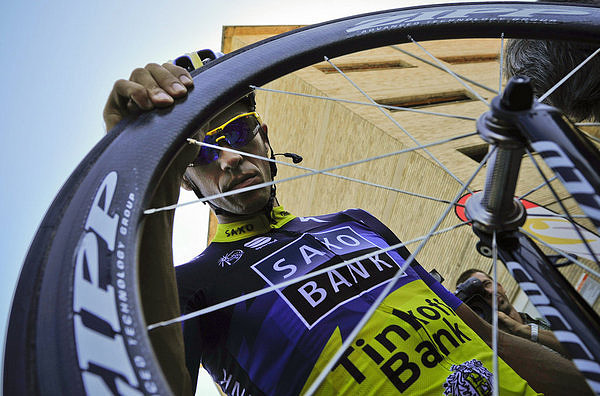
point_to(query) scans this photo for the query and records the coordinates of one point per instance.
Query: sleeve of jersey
(437, 287)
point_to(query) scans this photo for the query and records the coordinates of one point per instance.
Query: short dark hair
(467, 274)
(546, 62)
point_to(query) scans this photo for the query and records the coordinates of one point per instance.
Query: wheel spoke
(565, 78)
(375, 104)
(311, 171)
(501, 68)
(540, 186)
(495, 314)
(554, 214)
(449, 71)
(594, 138)
(565, 255)
(393, 120)
(477, 84)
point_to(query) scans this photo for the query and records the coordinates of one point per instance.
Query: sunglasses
(236, 133)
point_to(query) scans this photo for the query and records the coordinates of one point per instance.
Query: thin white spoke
(565, 78)
(594, 138)
(501, 77)
(282, 285)
(540, 186)
(392, 119)
(347, 178)
(441, 68)
(495, 314)
(564, 209)
(560, 252)
(311, 172)
(398, 108)
(329, 366)
(537, 188)
(447, 69)
(558, 200)
(554, 214)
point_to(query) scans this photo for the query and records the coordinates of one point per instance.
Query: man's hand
(511, 326)
(544, 370)
(147, 88)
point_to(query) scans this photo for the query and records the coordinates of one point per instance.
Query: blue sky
(60, 60)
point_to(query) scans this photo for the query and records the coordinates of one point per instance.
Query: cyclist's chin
(247, 203)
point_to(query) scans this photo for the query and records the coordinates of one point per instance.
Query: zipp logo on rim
(443, 13)
(99, 336)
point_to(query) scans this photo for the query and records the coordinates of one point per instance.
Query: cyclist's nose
(228, 160)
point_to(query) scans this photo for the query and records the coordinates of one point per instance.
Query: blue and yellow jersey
(277, 343)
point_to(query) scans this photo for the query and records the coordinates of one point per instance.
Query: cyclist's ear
(264, 132)
(187, 183)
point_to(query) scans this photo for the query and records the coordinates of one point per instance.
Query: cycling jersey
(278, 342)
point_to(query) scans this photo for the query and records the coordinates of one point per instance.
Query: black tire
(42, 353)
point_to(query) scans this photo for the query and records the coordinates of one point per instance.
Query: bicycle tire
(41, 343)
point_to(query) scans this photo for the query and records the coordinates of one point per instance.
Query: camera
(472, 293)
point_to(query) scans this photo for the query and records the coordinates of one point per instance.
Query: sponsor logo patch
(230, 258)
(411, 345)
(470, 379)
(230, 233)
(314, 298)
(260, 242)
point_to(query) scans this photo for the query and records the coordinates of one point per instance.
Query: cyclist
(421, 340)
(510, 320)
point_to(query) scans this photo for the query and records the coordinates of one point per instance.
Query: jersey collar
(256, 225)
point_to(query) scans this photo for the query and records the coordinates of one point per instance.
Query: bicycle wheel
(77, 325)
